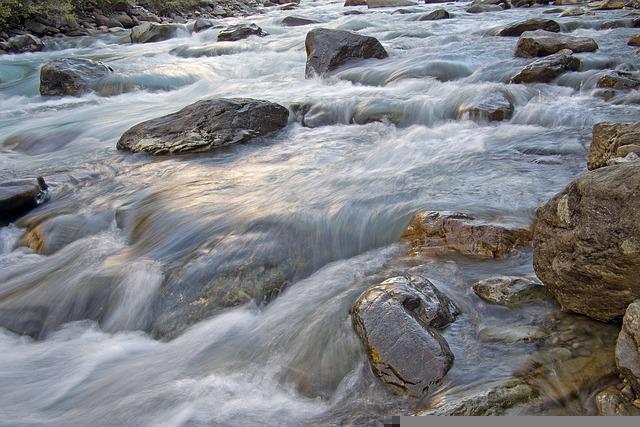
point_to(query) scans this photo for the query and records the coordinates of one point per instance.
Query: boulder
(71, 76)
(374, 4)
(22, 43)
(634, 40)
(124, 20)
(512, 334)
(435, 15)
(609, 140)
(205, 126)
(607, 5)
(619, 80)
(449, 233)
(568, 2)
(546, 69)
(202, 24)
(511, 291)
(586, 244)
(396, 321)
(328, 49)
(543, 43)
(575, 11)
(19, 197)
(102, 20)
(239, 32)
(348, 3)
(482, 8)
(151, 32)
(296, 21)
(612, 402)
(628, 346)
(494, 106)
(517, 28)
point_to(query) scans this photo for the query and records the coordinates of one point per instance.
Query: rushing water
(321, 208)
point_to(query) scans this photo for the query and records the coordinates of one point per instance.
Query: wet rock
(348, 3)
(517, 28)
(634, 40)
(611, 402)
(296, 21)
(553, 10)
(575, 11)
(511, 291)
(435, 15)
(102, 20)
(289, 6)
(202, 24)
(19, 197)
(124, 20)
(239, 32)
(568, 2)
(151, 32)
(328, 49)
(448, 233)
(608, 139)
(495, 106)
(71, 76)
(628, 346)
(54, 233)
(21, 44)
(205, 126)
(512, 334)
(543, 43)
(608, 5)
(374, 4)
(396, 322)
(487, 399)
(586, 245)
(618, 80)
(482, 8)
(546, 69)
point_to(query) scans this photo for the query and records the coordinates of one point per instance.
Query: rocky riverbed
(322, 213)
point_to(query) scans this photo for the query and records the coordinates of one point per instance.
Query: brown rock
(546, 69)
(628, 346)
(495, 106)
(543, 43)
(517, 28)
(587, 245)
(447, 233)
(608, 138)
(348, 3)
(634, 40)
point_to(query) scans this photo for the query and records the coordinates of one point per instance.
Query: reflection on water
(215, 289)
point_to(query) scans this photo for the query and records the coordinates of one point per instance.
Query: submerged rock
(296, 21)
(373, 4)
(517, 28)
(586, 244)
(546, 69)
(202, 24)
(328, 49)
(435, 15)
(543, 43)
(512, 334)
(396, 322)
(150, 32)
(612, 402)
(495, 106)
(609, 140)
(510, 291)
(71, 76)
(628, 346)
(448, 233)
(19, 197)
(205, 126)
(239, 32)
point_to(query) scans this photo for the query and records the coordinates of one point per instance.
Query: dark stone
(543, 43)
(18, 198)
(239, 32)
(295, 21)
(71, 76)
(546, 69)
(22, 43)
(435, 15)
(516, 29)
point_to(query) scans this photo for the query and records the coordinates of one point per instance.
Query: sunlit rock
(517, 28)
(150, 32)
(546, 69)
(628, 346)
(543, 43)
(511, 291)
(609, 141)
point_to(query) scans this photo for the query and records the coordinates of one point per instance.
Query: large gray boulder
(150, 32)
(19, 197)
(396, 321)
(543, 43)
(628, 346)
(71, 76)
(205, 126)
(517, 28)
(328, 49)
(612, 140)
(587, 245)
(22, 44)
(547, 68)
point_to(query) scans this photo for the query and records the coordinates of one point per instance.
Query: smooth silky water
(329, 202)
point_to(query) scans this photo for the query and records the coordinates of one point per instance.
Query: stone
(124, 20)
(495, 106)
(202, 24)
(449, 233)
(617, 80)
(611, 402)
(628, 346)
(374, 4)
(546, 69)
(512, 334)
(296, 21)
(575, 11)
(71, 76)
(102, 20)
(328, 49)
(435, 15)
(586, 244)
(517, 28)
(482, 8)
(634, 40)
(19, 197)
(22, 44)
(510, 291)
(608, 5)
(239, 32)
(151, 32)
(206, 126)
(543, 43)
(396, 321)
(349, 3)
(608, 138)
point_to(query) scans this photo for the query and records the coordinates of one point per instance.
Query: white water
(330, 202)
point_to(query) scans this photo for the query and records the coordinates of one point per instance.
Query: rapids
(329, 202)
